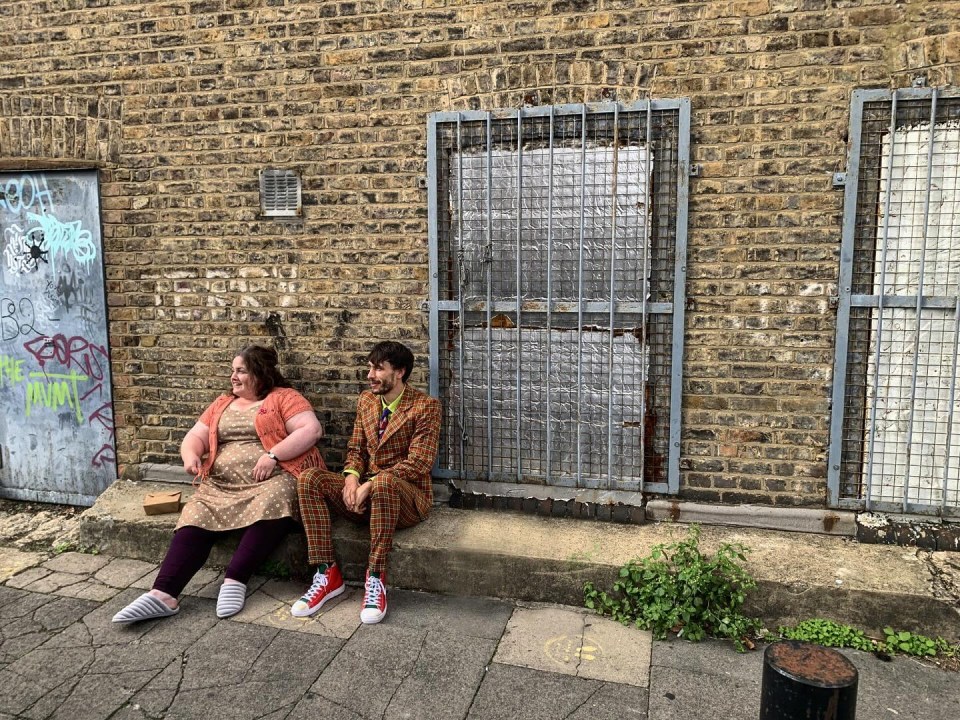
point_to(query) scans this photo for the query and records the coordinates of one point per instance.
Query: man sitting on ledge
(385, 481)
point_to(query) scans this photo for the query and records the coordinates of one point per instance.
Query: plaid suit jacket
(408, 448)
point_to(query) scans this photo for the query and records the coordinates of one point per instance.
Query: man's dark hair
(262, 362)
(397, 354)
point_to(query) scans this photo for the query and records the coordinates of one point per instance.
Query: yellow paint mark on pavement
(565, 649)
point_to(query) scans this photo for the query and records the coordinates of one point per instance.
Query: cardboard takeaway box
(162, 502)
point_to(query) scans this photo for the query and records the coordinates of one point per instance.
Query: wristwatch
(272, 456)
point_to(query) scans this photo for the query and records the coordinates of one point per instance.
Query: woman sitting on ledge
(257, 439)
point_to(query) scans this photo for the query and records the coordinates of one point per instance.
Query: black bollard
(803, 681)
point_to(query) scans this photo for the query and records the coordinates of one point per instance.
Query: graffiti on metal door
(57, 440)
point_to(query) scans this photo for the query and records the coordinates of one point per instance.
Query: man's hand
(354, 494)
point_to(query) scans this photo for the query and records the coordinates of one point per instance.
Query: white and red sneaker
(374, 599)
(326, 585)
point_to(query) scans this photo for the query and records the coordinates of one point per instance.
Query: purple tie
(382, 425)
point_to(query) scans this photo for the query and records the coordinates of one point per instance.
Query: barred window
(895, 444)
(558, 243)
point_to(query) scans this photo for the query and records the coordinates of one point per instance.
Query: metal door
(56, 429)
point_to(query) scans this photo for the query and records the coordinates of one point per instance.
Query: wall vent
(280, 193)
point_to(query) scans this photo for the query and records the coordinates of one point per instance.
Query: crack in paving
(337, 704)
(585, 701)
(72, 681)
(579, 652)
(259, 655)
(413, 669)
(273, 713)
(486, 669)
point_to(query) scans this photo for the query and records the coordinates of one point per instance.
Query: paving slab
(28, 576)
(683, 695)
(444, 677)
(457, 615)
(904, 688)
(53, 582)
(575, 642)
(704, 680)
(13, 561)
(270, 605)
(123, 572)
(621, 702)
(369, 668)
(543, 638)
(314, 706)
(613, 652)
(433, 656)
(76, 563)
(86, 589)
(156, 696)
(510, 692)
(30, 620)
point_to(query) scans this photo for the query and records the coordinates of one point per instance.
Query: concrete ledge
(155, 472)
(528, 557)
(810, 520)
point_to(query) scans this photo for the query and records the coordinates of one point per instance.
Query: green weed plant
(832, 634)
(829, 634)
(679, 589)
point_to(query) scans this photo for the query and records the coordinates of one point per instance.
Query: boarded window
(896, 445)
(556, 318)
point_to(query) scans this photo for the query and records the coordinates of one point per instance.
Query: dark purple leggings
(191, 547)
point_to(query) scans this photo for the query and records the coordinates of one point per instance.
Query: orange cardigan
(280, 405)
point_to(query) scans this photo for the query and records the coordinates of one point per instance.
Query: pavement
(434, 656)
(491, 637)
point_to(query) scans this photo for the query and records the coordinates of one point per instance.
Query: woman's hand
(192, 464)
(264, 468)
(193, 448)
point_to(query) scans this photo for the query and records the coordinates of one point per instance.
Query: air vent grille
(280, 193)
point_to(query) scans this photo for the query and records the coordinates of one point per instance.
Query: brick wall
(203, 93)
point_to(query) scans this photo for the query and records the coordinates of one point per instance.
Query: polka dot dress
(229, 498)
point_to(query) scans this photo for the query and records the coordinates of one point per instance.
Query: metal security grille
(895, 441)
(557, 248)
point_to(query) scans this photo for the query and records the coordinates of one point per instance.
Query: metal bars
(557, 301)
(892, 444)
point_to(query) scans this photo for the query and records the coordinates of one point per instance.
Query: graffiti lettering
(104, 455)
(69, 352)
(27, 192)
(16, 318)
(66, 238)
(54, 391)
(11, 370)
(103, 415)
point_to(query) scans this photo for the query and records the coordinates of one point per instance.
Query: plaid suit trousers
(392, 504)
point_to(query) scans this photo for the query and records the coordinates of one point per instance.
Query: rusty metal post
(803, 681)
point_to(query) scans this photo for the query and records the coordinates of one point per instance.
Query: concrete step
(526, 557)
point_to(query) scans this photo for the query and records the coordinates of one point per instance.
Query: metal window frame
(676, 308)
(847, 301)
